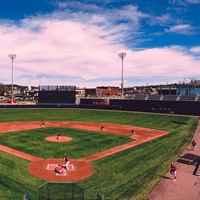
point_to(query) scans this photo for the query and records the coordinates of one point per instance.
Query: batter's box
(70, 167)
(51, 166)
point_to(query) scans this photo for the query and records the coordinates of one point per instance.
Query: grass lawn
(33, 142)
(131, 174)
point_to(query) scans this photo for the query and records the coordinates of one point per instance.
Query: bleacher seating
(155, 97)
(187, 97)
(170, 97)
(139, 97)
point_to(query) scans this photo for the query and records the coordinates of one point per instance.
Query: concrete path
(187, 186)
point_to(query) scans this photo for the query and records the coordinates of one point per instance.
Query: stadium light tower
(12, 57)
(122, 55)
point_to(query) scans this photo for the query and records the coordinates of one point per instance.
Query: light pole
(12, 57)
(122, 55)
(188, 87)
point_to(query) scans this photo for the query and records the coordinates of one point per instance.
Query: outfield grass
(131, 174)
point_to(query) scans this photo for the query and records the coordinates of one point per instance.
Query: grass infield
(130, 174)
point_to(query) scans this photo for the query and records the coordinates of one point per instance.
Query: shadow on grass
(177, 122)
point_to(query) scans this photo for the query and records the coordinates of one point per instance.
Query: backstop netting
(60, 191)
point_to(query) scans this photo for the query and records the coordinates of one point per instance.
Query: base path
(80, 168)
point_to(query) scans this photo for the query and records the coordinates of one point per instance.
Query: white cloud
(194, 1)
(185, 29)
(56, 49)
(161, 20)
(184, 3)
(195, 49)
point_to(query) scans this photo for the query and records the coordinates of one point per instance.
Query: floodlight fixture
(12, 57)
(122, 55)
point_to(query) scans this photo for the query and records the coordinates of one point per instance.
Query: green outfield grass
(131, 174)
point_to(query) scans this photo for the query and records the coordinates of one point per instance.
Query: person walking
(173, 171)
(193, 145)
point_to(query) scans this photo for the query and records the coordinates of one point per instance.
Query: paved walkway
(187, 186)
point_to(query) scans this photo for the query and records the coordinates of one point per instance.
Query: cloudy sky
(77, 43)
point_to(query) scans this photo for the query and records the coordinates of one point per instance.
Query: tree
(3, 89)
(191, 82)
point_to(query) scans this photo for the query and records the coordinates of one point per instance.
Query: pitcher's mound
(62, 139)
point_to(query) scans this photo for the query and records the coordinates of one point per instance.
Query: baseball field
(121, 166)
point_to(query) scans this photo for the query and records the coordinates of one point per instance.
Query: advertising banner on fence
(96, 102)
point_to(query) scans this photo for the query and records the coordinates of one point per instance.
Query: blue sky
(78, 42)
